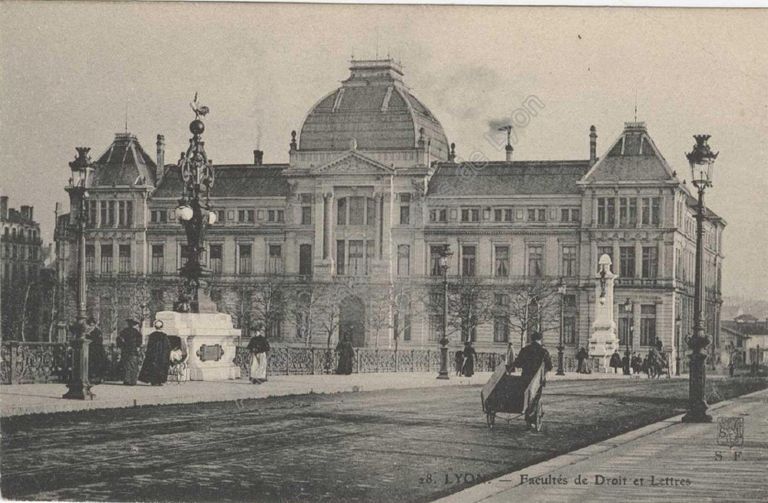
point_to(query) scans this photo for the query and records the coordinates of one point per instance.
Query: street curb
(494, 487)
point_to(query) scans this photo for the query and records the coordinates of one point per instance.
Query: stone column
(327, 224)
(377, 224)
(603, 341)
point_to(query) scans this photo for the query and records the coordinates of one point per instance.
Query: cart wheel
(539, 418)
(490, 418)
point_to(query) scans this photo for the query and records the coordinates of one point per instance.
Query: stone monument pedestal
(210, 340)
(603, 341)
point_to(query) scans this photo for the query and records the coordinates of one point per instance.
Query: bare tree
(303, 307)
(530, 307)
(270, 303)
(470, 304)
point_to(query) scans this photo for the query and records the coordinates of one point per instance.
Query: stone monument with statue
(603, 341)
(208, 335)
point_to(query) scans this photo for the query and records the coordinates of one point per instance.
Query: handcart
(510, 394)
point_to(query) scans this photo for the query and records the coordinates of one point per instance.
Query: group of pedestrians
(653, 364)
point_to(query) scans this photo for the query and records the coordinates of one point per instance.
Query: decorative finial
(294, 146)
(452, 155)
(200, 110)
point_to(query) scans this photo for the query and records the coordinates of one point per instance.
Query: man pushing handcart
(521, 395)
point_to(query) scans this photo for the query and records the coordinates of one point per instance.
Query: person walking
(97, 356)
(157, 359)
(468, 368)
(615, 362)
(510, 359)
(458, 360)
(129, 341)
(258, 347)
(530, 359)
(581, 358)
(346, 355)
(636, 363)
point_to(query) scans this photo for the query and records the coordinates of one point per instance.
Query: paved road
(408, 445)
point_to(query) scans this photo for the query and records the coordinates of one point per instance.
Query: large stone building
(360, 214)
(21, 258)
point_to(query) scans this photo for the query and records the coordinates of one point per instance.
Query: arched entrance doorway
(352, 321)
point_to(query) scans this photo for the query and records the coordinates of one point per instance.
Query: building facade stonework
(344, 239)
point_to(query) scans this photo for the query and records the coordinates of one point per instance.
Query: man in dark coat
(129, 341)
(581, 357)
(346, 355)
(157, 359)
(468, 369)
(458, 360)
(615, 362)
(530, 359)
(97, 357)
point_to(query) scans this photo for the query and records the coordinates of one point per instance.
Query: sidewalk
(20, 399)
(666, 462)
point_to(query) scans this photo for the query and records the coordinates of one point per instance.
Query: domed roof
(374, 107)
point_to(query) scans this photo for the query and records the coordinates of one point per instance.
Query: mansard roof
(232, 180)
(633, 157)
(507, 178)
(124, 163)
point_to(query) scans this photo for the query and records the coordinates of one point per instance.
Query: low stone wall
(40, 362)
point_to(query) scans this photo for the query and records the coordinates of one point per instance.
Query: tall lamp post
(444, 261)
(561, 289)
(701, 160)
(79, 387)
(194, 210)
(629, 308)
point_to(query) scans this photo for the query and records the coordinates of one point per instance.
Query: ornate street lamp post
(445, 257)
(561, 289)
(629, 308)
(194, 210)
(78, 386)
(701, 160)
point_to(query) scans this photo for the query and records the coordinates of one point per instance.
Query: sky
(71, 73)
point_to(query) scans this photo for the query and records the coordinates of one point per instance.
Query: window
(111, 213)
(470, 214)
(221, 216)
(356, 210)
(403, 260)
(651, 211)
(92, 213)
(569, 329)
(106, 259)
(536, 260)
(157, 265)
(158, 216)
(125, 213)
(341, 211)
(569, 261)
(502, 214)
(340, 269)
(216, 256)
(356, 262)
(305, 260)
(627, 211)
(625, 325)
(124, 257)
(245, 265)
(435, 252)
(274, 259)
(245, 216)
(103, 207)
(90, 259)
(440, 215)
(306, 215)
(604, 250)
(627, 261)
(648, 325)
(468, 260)
(501, 318)
(565, 215)
(184, 254)
(501, 267)
(606, 211)
(275, 216)
(405, 209)
(537, 214)
(650, 261)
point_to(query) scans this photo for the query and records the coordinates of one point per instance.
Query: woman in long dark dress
(615, 362)
(468, 370)
(346, 355)
(97, 357)
(459, 361)
(129, 342)
(157, 360)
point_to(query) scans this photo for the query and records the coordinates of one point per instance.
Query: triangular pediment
(352, 162)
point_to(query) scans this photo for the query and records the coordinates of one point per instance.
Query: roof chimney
(509, 149)
(4, 207)
(258, 157)
(160, 158)
(592, 145)
(452, 154)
